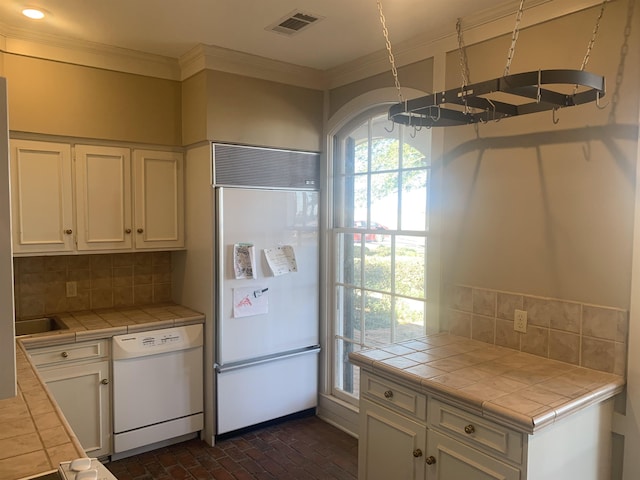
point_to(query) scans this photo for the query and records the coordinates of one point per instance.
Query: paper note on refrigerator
(249, 301)
(281, 259)
(244, 260)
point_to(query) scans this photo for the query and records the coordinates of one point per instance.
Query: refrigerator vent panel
(235, 165)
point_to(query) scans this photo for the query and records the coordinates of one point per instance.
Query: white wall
(629, 424)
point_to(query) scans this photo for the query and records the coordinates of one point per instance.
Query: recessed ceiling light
(33, 13)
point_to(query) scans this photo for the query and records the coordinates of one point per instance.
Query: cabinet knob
(431, 460)
(127, 230)
(64, 354)
(105, 381)
(68, 231)
(417, 453)
(469, 429)
(140, 230)
(388, 394)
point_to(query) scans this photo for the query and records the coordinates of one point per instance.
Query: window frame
(336, 192)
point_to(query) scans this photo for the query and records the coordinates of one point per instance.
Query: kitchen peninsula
(446, 407)
(35, 436)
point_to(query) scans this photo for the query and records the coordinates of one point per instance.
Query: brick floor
(299, 449)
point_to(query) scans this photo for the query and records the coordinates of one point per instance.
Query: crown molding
(477, 28)
(209, 57)
(80, 52)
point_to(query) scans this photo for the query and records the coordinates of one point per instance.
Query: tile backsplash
(591, 336)
(101, 281)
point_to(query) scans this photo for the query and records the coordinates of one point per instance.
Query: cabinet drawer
(69, 353)
(476, 431)
(393, 395)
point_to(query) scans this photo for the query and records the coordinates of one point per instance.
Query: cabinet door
(82, 392)
(391, 446)
(41, 197)
(103, 197)
(159, 199)
(452, 460)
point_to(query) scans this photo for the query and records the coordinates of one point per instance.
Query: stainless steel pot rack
(507, 96)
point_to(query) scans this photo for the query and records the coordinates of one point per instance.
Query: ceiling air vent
(294, 22)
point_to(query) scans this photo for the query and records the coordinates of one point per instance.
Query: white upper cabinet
(101, 202)
(41, 197)
(103, 198)
(158, 199)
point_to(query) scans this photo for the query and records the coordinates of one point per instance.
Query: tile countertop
(515, 389)
(105, 323)
(35, 437)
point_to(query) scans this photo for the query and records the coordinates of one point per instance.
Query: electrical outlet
(520, 321)
(72, 289)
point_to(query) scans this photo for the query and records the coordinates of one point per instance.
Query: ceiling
(346, 29)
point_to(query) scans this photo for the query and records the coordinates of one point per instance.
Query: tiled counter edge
(35, 436)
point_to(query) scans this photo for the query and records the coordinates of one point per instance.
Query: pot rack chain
(464, 61)
(514, 39)
(392, 59)
(594, 34)
(592, 42)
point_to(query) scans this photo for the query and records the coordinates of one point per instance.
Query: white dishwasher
(157, 387)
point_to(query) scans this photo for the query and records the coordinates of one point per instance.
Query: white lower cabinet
(406, 434)
(451, 459)
(392, 446)
(78, 377)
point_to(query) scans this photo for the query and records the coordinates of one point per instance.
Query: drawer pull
(388, 394)
(469, 429)
(417, 453)
(64, 354)
(431, 460)
(105, 381)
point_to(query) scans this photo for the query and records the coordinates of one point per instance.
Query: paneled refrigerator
(267, 285)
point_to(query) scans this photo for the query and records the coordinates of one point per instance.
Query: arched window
(380, 225)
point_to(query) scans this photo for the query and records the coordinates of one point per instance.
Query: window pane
(350, 270)
(410, 266)
(360, 198)
(384, 154)
(381, 127)
(350, 326)
(409, 319)
(416, 150)
(361, 157)
(384, 199)
(414, 200)
(377, 267)
(347, 375)
(413, 158)
(377, 318)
